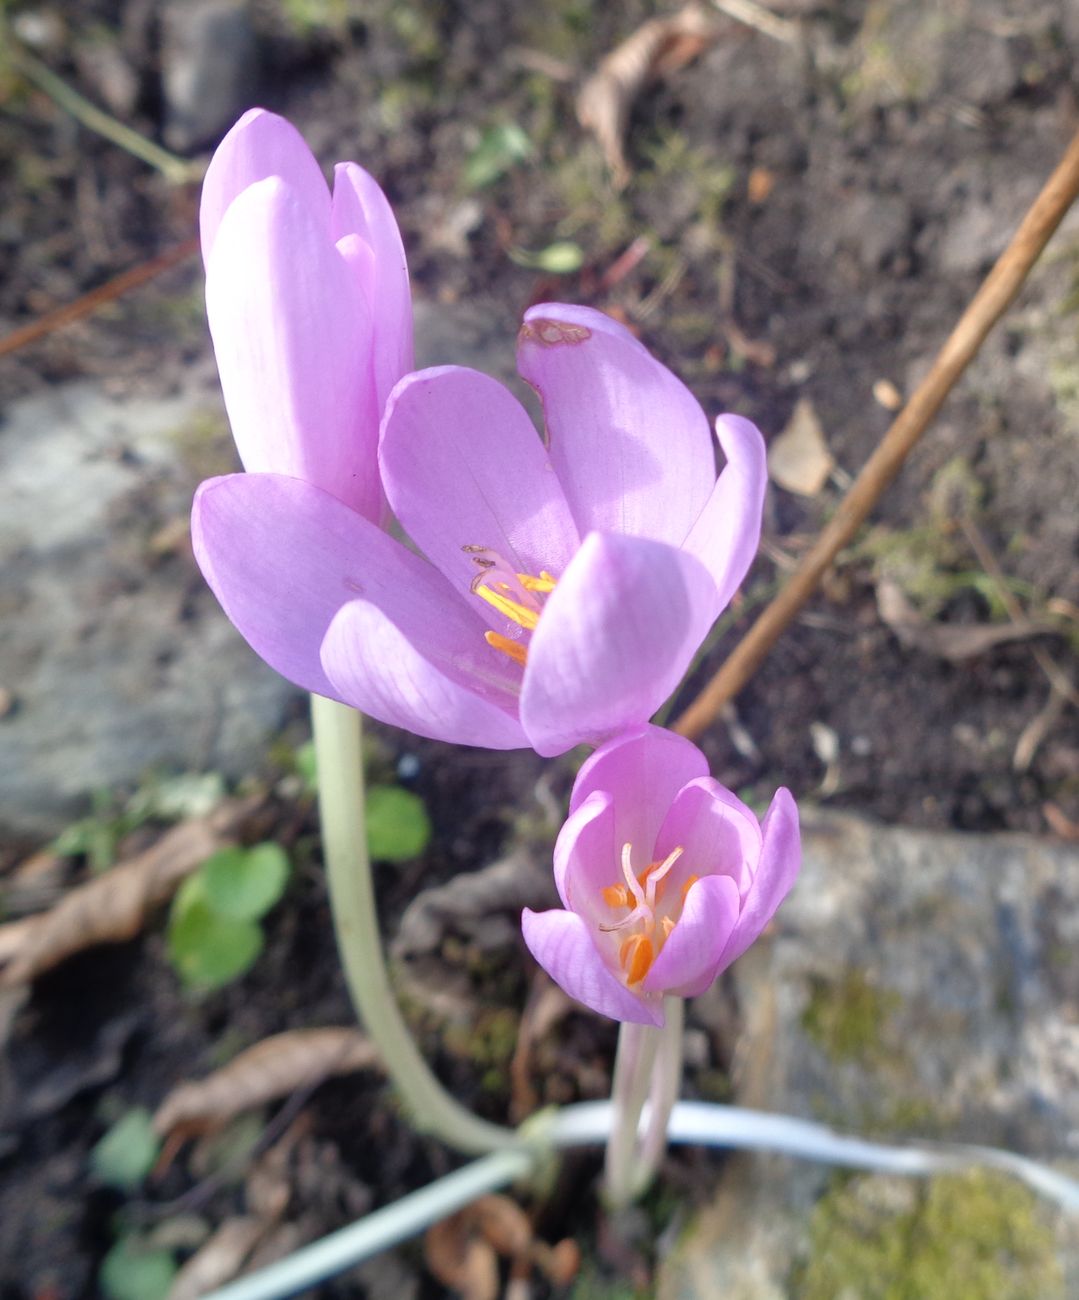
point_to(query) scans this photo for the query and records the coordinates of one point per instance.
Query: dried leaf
(461, 1259)
(503, 1223)
(300, 1058)
(799, 459)
(659, 46)
(954, 642)
(546, 1006)
(219, 1259)
(113, 907)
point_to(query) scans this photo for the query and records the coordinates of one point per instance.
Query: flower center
(518, 596)
(651, 914)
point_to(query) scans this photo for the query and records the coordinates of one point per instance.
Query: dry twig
(986, 308)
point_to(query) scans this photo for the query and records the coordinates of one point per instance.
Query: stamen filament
(513, 609)
(546, 582)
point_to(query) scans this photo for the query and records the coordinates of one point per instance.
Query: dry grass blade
(274, 1068)
(659, 46)
(952, 641)
(112, 908)
(219, 1258)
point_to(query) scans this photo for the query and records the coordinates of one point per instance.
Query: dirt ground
(816, 215)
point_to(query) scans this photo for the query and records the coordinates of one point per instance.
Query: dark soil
(817, 220)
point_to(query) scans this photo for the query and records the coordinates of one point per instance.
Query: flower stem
(666, 1084)
(338, 734)
(633, 1063)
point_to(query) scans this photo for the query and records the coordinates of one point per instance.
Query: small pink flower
(308, 299)
(564, 584)
(665, 875)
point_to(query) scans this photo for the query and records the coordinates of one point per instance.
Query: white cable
(695, 1123)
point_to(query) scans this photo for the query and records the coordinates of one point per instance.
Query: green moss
(489, 1044)
(847, 1020)
(978, 1235)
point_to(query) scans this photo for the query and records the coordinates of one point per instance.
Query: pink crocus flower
(666, 877)
(567, 583)
(308, 300)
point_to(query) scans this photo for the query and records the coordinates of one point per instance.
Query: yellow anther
(687, 886)
(617, 896)
(513, 609)
(636, 956)
(514, 649)
(545, 582)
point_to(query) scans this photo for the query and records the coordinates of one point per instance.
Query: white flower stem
(666, 1084)
(338, 734)
(633, 1062)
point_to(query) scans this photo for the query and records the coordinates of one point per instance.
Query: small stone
(887, 395)
(209, 65)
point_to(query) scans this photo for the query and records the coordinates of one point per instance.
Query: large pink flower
(566, 585)
(665, 875)
(308, 300)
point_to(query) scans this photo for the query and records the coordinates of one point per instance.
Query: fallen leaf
(112, 908)
(219, 1259)
(547, 1005)
(951, 641)
(799, 459)
(300, 1058)
(658, 46)
(461, 1259)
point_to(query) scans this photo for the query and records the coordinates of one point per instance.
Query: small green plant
(560, 258)
(215, 935)
(500, 149)
(137, 1270)
(127, 1152)
(398, 827)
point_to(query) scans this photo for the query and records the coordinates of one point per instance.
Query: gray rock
(917, 984)
(209, 69)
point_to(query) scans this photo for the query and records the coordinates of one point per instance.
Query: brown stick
(988, 305)
(90, 302)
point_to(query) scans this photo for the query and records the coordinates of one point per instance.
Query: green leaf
(306, 766)
(561, 258)
(133, 1270)
(126, 1154)
(243, 884)
(398, 827)
(500, 148)
(206, 949)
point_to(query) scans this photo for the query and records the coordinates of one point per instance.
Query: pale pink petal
(709, 915)
(283, 557)
(361, 208)
(421, 668)
(292, 335)
(727, 533)
(260, 145)
(464, 469)
(586, 859)
(718, 834)
(561, 943)
(616, 636)
(628, 440)
(644, 769)
(781, 858)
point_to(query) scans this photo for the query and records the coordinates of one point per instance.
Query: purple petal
(361, 208)
(716, 831)
(690, 954)
(616, 636)
(644, 770)
(586, 859)
(421, 667)
(261, 144)
(628, 440)
(464, 467)
(726, 535)
(561, 943)
(284, 557)
(292, 335)
(781, 857)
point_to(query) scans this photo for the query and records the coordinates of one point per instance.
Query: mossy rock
(978, 1235)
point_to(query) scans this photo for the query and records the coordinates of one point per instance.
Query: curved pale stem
(338, 750)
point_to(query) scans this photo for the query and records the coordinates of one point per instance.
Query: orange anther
(516, 651)
(636, 956)
(617, 896)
